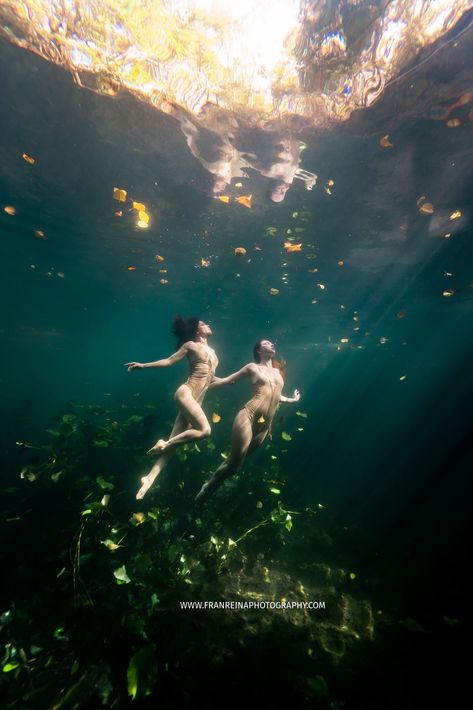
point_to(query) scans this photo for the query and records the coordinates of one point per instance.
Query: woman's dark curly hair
(185, 329)
(280, 364)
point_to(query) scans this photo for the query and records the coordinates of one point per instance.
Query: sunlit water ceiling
(265, 60)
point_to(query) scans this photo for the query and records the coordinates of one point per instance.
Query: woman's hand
(296, 396)
(134, 366)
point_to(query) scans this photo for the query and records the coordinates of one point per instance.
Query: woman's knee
(205, 432)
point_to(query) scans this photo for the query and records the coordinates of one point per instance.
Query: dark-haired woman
(253, 422)
(191, 422)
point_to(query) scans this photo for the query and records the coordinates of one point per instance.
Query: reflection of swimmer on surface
(191, 422)
(253, 422)
(285, 167)
(218, 153)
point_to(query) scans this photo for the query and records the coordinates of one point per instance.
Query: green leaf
(142, 672)
(102, 443)
(276, 491)
(134, 419)
(10, 667)
(104, 484)
(53, 432)
(301, 414)
(288, 523)
(286, 436)
(69, 418)
(121, 575)
(412, 625)
(318, 686)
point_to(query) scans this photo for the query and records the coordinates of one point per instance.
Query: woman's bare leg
(179, 425)
(242, 435)
(192, 413)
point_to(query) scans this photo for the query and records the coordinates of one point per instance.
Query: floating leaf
(276, 491)
(138, 206)
(271, 231)
(10, 210)
(301, 414)
(352, 575)
(286, 436)
(119, 194)
(385, 142)
(28, 159)
(205, 263)
(273, 291)
(426, 208)
(453, 123)
(142, 673)
(159, 258)
(259, 504)
(121, 575)
(216, 418)
(39, 234)
(110, 545)
(261, 420)
(455, 215)
(289, 247)
(142, 224)
(238, 184)
(223, 198)
(131, 268)
(448, 292)
(244, 200)
(240, 251)
(139, 518)
(143, 216)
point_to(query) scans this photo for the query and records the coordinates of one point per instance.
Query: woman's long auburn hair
(185, 329)
(279, 364)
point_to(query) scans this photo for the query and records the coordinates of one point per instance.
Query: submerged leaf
(119, 194)
(121, 575)
(286, 436)
(142, 672)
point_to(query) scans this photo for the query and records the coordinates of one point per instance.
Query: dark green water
(378, 472)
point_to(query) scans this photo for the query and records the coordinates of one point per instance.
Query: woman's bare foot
(147, 482)
(157, 448)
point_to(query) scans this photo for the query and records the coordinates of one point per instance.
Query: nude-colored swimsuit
(264, 403)
(200, 376)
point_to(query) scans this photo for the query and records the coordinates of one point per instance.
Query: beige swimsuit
(264, 403)
(200, 376)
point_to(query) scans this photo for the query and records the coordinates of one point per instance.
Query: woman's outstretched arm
(295, 398)
(165, 362)
(231, 379)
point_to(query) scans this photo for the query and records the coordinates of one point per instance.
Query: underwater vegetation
(92, 613)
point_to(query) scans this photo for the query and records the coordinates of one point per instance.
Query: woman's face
(267, 348)
(204, 329)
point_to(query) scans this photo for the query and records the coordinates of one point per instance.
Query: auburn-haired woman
(253, 422)
(191, 422)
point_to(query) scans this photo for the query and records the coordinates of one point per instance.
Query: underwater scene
(268, 206)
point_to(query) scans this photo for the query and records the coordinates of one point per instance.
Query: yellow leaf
(143, 216)
(240, 251)
(426, 208)
(142, 225)
(138, 206)
(455, 215)
(28, 159)
(244, 200)
(10, 210)
(158, 257)
(385, 142)
(119, 194)
(216, 417)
